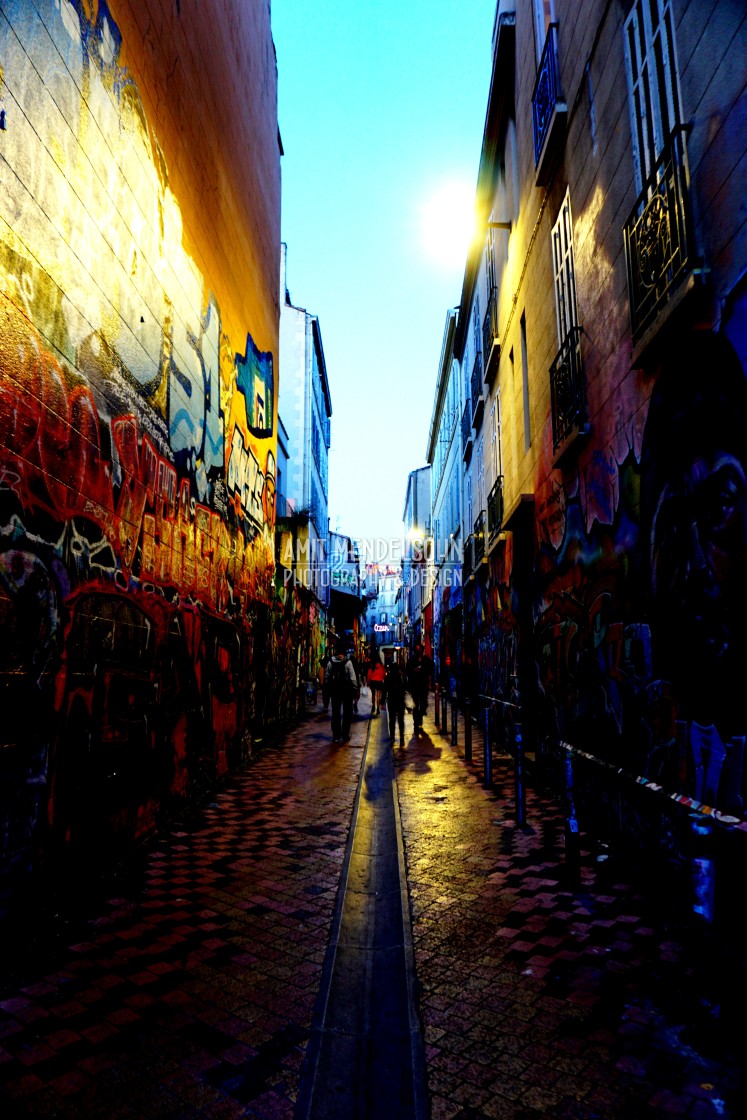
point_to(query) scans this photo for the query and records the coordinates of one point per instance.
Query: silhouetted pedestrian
(343, 684)
(375, 682)
(419, 673)
(393, 695)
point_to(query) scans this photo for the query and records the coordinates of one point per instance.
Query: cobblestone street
(191, 991)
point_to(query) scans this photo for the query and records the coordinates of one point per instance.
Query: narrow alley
(221, 972)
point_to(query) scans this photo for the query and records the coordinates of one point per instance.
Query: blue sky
(380, 105)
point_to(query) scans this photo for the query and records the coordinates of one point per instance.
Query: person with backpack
(393, 695)
(342, 685)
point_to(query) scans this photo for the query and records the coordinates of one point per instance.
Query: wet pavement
(366, 1057)
(193, 982)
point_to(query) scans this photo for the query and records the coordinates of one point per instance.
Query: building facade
(139, 249)
(445, 455)
(417, 560)
(601, 342)
(384, 615)
(306, 410)
(346, 593)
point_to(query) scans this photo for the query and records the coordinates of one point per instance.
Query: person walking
(342, 686)
(419, 673)
(393, 696)
(375, 682)
(357, 671)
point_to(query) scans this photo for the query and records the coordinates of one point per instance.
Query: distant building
(346, 603)
(417, 569)
(305, 408)
(384, 617)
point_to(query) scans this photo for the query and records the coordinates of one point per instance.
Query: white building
(305, 407)
(384, 615)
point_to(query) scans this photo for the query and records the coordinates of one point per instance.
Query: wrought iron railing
(495, 508)
(476, 384)
(466, 428)
(478, 538)
(467, 560)
(567, 388)
(490, 328)
(658, 236)
(547, 92)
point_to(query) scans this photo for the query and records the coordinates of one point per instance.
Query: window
(480, 489)
(544, 15)
(566, 372)
(564, 274)
(525, 383)
(495, 439)
(658, 234)
(652, 82)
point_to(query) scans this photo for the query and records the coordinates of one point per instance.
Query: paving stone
(187, 988)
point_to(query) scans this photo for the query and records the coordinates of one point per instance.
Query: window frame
(650, 63)
(564, 270)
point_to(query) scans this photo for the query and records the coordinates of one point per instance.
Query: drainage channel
(365, 1058)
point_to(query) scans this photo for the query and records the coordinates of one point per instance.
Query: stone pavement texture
(189, 990)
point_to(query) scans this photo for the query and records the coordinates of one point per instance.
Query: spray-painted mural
(136, 459)
(639, 603)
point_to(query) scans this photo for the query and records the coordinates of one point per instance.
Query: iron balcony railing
(476, 389)
(495, 509)
(490, 343)
(658, 236)
(467, 559)
(547, 92)
(478, 538)
(567, 389)
(467, 431)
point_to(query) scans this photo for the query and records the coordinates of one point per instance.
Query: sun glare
(448, 223)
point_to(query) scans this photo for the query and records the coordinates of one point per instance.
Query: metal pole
(488, 760)
(454, 720)
(438, 700)
(444, 712)
(520, 793)
(467, 733)
(571, 823)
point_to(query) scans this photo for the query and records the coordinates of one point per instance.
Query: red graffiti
(51, 457)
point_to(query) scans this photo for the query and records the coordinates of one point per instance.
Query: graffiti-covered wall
(139, 249)
(614, 588)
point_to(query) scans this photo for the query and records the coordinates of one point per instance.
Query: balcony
(467, 558)
(478, 540)
(567, 390)
(658, 237)
(477, 396)
(491, 346)
(549, 110)
(467, 433)
(495, 509)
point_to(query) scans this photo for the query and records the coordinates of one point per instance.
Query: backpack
(338, 676)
